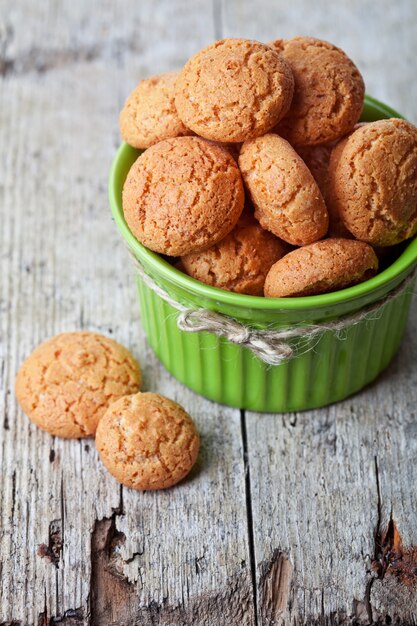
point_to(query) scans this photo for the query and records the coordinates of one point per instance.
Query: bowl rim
(159, 266)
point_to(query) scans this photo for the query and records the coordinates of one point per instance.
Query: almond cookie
(68, 382)
(373, 182)
(149, 114)
(317, 159)
(147, 441)
(321, 267)
(182, 195)
(328, 94)
(286, 197)
(233, 90)
(240, 261)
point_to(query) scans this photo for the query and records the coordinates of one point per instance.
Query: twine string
(270, 345)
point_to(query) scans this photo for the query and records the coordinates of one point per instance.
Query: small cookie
(233, 90)
(373, 182)
(328, 94)
(147, 441)
(286, 197)
(240, 261)
(68, 382)
(149, 114)
(317, 159)
(321, 267)
(182, 195)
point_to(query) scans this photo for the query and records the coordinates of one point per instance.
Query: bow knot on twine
(266, 344)
(272, 346)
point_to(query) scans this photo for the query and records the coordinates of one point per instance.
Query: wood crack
(251, 540)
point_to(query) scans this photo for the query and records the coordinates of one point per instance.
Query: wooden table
(285, 517)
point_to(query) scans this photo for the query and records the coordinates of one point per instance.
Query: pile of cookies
(81, 384)
(257, 177)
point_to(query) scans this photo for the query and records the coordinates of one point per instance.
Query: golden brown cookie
(240, 261)
(373, 182)
(182, 195)
(286, 197)
(68, 382)
(321, 267)
(233, 90)
(328, 94)
(317, 159)
(149, 114)
(147, 441)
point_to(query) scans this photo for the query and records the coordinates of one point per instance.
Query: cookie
(182, 195)
(149, 114)
(286, 197)
(147, 441)
(240, 261)
(321, 267)
(317, 159)
(233, 90)
(328, 94)
(373, 182)
(67, 383)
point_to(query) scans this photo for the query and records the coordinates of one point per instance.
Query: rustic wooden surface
(287, 519)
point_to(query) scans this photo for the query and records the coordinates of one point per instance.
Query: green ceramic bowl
(327, 369)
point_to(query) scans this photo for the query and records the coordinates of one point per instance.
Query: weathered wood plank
(324, 483)
(379, 36)
(72, 544)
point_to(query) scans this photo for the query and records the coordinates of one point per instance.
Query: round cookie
(317, 159)
(328, 94)
(240, 261)
(182, 195)
(233, 90)
(286, 197)
(149, 114)
(68, 382)
(321, 267)
(147, 441)
(373, 182)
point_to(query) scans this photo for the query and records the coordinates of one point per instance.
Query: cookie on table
(240, 261)
(147, 441)
(67, 383)
(233, 90)
(328, 93)
(182, 195)
(285, 195)
(373, 182)
(321, 267)
(149, 114)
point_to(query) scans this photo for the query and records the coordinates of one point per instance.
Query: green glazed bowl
(326, 369)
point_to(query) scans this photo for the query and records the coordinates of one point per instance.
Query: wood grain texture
(73, 545)
(301, 505)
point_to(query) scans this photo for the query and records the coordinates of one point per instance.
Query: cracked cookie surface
(147, 441)
(241, 261)
(149, 114)
(321, 267)
(286, 197)
(328, 93)
(183, 195)
(372, 184)
(233, 90)
(317, 159)
(67, 383)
